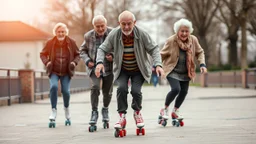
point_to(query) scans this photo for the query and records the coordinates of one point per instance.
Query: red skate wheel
(124, 132)
(181, 123)
(143, 131)
(138, 131)
(121, 134)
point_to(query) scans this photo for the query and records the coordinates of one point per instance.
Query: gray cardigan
(143, 45)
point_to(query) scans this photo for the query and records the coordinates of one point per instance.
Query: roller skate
(163, 117)
(93, 122)
(139, 123)
(177, 119)
(105, 117)
(52, 118)
(120, 126)
(67, 115)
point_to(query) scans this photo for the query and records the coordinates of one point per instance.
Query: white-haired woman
(178, 56)
(60, 56)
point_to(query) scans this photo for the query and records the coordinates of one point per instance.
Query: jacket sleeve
(152, 49)
(76, 53)
(199, 52)
(84, 52)
(45, 53)
(165, 50)
(105, 47)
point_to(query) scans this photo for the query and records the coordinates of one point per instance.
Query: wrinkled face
(100, 27)
(61, 33)
(127, 24)
(183, 33)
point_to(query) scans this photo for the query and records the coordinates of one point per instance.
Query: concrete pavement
(212, 116)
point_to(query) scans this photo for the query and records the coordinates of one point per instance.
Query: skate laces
(164, 112)
(138, 117)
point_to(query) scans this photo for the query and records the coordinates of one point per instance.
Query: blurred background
(226, 29)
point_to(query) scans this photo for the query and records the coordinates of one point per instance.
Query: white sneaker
(67, 114)
(53, 114)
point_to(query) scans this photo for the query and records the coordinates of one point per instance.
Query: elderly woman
(60, 56)
(178, 56)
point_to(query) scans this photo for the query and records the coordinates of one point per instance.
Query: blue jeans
(65, 89)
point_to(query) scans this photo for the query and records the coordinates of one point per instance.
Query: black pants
(137, 81)
(179, 88)
(107, 88)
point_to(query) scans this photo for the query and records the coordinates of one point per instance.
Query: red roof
(19, 31)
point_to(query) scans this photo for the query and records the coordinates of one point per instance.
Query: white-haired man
(92, 40)
(60, 55)
(130, 45)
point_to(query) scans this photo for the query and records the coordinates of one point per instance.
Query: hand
(90, 64)
(109, 57)
(160, 71)
(99, 68)
(73, 63)
(203, 70)
(48, 64)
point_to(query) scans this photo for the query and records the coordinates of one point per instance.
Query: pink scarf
(187, 46)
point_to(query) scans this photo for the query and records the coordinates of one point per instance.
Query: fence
(30, 85)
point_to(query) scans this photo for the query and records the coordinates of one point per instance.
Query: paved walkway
(212, 116)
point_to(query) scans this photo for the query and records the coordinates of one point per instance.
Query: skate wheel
(121, 133)
(177, 124)
(164, 123)
(143, 131)
(92, 128)
(116, 134)
(67, 122)
(181, 123)
(173, 122)
(105, 125)
(138, 132)
(124, 132)
(50, 125)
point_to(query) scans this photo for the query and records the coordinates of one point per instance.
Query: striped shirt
(129, 62)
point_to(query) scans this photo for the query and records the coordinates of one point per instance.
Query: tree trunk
(204, 45)
(244, 64)
(233, 54)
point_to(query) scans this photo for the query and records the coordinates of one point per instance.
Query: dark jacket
(48, 54)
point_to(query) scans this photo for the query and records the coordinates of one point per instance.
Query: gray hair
(183, 22)
(99, 17)
(133, 16)
(58, 25)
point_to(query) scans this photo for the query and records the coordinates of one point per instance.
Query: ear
(135, 22)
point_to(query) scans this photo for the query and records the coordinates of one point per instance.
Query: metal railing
(10, 85)
(80, 82)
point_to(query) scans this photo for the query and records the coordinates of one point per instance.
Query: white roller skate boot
(52, 118)
(105, 117)
(120, 126)
(67, 115)
(177, 118)
(163, 117)
(139, 122)
(93, 121)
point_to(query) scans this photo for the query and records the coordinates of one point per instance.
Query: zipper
(60, 59)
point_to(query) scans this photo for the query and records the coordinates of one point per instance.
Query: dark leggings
(179, 88)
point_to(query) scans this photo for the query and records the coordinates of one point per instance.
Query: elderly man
(60, 56)
(130, 45)
(92, 40)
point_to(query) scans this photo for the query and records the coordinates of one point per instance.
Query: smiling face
(127, 24)
(61, 33)
(183, 33)
(100, 27)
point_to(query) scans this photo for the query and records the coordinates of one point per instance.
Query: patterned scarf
(187, 46)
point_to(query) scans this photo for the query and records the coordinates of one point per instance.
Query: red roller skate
(139, 123)
(177, 119)
(120, 126)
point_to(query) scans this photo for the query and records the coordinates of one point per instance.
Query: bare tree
(241, 13)
(232, 25)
